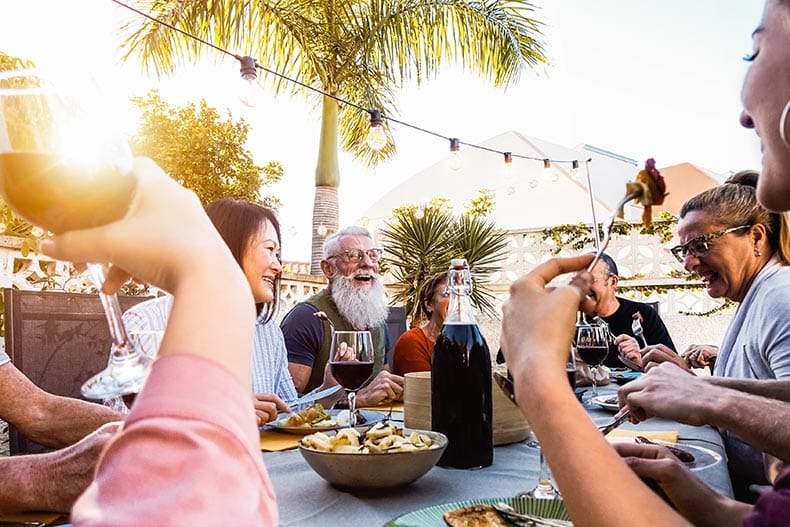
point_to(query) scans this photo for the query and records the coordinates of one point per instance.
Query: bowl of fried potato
(384, 456)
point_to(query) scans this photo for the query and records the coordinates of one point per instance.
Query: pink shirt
(189, 454)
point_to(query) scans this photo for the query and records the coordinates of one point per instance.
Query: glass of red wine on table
(351, 364)
(65, 165)
(592, 345)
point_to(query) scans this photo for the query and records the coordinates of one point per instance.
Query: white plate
(703, 457)
(607, 402)
(278, 424)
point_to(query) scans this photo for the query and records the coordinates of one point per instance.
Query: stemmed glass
(351, 364)
(592, 345)
(65, 166)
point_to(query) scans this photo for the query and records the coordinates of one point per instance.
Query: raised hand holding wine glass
(64, 165)
(351, 363)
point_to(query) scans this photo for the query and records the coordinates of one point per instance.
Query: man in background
(354, 299)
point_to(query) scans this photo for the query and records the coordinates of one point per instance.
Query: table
(304, 498)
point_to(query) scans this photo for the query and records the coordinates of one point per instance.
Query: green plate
(432, 516)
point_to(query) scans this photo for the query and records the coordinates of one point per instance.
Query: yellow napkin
(396, 407)
(21, 517)
(272, 441)
(667, 436)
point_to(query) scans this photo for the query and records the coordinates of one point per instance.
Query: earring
(758, 252)
(784, 125)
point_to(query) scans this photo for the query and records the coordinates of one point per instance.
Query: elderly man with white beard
(354, 299)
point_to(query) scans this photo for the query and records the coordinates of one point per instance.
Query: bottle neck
(460, 309)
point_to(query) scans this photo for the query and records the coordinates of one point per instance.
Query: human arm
(587, 469)
(303, 334)
(660, 353)
(772, 388)
(697, 502)
(54, 480)
(45, 418)
(700, 355)
(628, 347)
(669, 392)
(267, 406)
(193, 421)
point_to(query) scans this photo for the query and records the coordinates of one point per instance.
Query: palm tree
(418, 245)
(359, 51)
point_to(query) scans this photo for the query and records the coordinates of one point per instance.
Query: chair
(58, 340)
(396, 323)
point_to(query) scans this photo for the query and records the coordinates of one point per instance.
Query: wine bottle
(461, 380)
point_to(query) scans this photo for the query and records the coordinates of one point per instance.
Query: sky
(641, 78)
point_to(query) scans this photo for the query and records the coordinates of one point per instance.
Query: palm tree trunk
(327, 181)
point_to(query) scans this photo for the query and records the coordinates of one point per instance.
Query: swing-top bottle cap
(458, 264)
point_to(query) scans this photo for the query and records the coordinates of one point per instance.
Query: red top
(413, 352)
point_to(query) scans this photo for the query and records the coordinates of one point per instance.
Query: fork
(636, 328)
(608, 228)
(526, 520)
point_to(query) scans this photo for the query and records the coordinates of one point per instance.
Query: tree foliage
(418, 244)
(202, 151)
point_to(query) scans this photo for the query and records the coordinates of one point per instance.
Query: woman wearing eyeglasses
(740, 251)
(414, 349)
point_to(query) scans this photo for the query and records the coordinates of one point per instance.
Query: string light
(377, 137)
(252, 80)
(455, 153)
(249, 81)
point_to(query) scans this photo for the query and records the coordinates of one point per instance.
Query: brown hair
(427, 292)
(238, 221)
(734, 203)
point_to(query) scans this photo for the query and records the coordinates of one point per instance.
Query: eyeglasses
(356, 255)
(700, 245)
(602, 278)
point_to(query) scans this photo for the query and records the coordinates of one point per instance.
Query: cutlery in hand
(315, 396)
(619, 419)
(636, 328)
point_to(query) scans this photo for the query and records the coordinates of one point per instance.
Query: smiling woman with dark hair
(252, 233)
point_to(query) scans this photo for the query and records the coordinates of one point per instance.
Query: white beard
(364, 307)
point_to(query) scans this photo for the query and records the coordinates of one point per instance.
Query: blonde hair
(734, 203)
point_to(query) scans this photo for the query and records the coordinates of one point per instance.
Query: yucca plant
(417, 245)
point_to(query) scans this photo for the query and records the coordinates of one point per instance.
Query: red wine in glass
(592, 355)
(351, 374)
(351, 359)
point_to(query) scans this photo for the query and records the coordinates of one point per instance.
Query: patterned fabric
(269, 359)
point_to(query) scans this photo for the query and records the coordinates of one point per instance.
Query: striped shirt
(269, 357)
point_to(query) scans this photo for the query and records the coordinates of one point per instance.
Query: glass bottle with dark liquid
(461, 380)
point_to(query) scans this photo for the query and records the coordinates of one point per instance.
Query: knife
(315, 396)
(506, 384)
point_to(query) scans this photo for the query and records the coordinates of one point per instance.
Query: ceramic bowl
(375, 471)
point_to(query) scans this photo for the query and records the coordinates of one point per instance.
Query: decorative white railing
(642, 261)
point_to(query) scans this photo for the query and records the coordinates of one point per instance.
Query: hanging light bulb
(575, 167)
(377, 136)
(249, 81)
(508, 166)
(547, 173)
(455, 153)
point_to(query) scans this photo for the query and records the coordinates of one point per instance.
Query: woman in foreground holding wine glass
(64, 166)
(351, 364)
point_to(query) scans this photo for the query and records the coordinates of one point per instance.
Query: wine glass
(64, 165)
(592, 346)
(147, 341)
(351, 364)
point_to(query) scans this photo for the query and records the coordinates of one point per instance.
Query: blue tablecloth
(306, 499)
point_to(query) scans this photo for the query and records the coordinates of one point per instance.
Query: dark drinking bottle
(461, 380)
